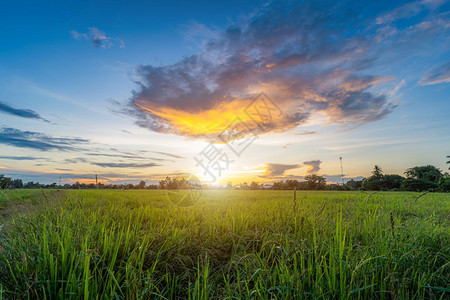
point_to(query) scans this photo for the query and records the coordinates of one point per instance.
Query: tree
(141, 184)
(374, 182)
(4, 182)
(254, 185)
(291, 184)
(353, 184)
(277, 185)
(244, 186)
(163, 183)
(418, 185)
(229, 185)
(448, 162)
(444, 183)
(315, 182)
(392, 181)
(428, 173)
(377, 172)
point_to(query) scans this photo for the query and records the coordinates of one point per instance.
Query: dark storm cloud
(313, 166)
(23, 113)
(39, 141)
(309, 56)
(438, 74)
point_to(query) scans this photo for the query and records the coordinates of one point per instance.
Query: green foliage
(354, 185)
(141, 184)
(4, 182)
(135, 244)
(381, 182)
(173, 183)
(418, 185)
(254, 185)
(377, 172)
(315, 182)
(372, 183)
(444, 184)
(428, 173)
(392, 181)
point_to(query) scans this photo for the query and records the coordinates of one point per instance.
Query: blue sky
(133, 90)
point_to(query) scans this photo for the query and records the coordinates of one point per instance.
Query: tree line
(417, 179)
(9, 183)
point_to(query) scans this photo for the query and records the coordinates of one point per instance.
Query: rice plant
(229, 245)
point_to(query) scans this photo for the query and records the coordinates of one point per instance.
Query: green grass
(230, 244)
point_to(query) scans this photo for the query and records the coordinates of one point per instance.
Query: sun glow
(203, 123)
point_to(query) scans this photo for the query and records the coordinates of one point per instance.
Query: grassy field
(229, 245)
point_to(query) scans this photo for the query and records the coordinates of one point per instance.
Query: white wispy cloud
(98, 38)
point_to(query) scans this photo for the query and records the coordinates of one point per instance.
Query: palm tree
(377, 172)
(448, 156)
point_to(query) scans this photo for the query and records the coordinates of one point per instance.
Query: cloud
(128, 156)
(338, 178)
(169, 154)
(39, 141)
(305, 133)
(125, 165)
(98, 38)
(309, 57)
(23, 113)
(274, 170)
(408, 10)
(20, 157)
(313, 166)
(438, 74)
(75, 160)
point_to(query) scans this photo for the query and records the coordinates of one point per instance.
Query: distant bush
(372, 183)
(444, 184)
(392, 181)
(428, 173)
(418, 185)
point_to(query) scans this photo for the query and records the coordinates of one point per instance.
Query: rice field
(137, 244)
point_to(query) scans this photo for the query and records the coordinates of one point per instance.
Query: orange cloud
(320, 70)
(227, 120)
(202, 123)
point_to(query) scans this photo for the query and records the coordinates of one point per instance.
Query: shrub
(444, 184)
(418, 185)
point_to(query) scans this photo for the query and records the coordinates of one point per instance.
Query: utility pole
(342, 171)
(96, 181)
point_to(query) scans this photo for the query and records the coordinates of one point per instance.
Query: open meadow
(137, 244)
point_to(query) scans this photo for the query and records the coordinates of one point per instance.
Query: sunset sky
(131, 90)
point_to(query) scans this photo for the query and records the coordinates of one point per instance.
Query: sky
(234, 91)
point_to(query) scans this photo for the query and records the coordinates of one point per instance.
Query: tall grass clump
(229, 245)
